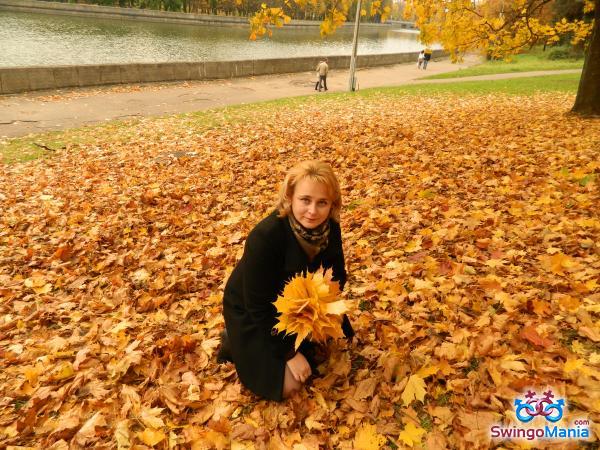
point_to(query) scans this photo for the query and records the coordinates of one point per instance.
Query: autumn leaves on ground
(470, 230)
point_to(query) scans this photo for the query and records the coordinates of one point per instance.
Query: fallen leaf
(151, 437)
(414, 390)
(88, 431)
(411, 434)
(531, 335)
(367, 438)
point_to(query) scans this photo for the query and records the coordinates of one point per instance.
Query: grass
(527, 62)
(566, 83)
(43, 144)
(32, 147)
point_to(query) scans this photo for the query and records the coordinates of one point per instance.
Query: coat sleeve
(340, 275)
(261, 282)
(338, 263)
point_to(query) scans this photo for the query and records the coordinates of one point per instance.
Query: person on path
(426, 58)
(420, 59)
(302, 234)
(322, 70)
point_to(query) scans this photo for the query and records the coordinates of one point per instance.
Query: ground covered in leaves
(471, 237)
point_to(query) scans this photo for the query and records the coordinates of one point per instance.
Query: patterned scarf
(312, 241)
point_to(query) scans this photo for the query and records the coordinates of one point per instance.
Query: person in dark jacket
(426, 58)
(302, 234)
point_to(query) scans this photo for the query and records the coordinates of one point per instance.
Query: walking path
(36, 112)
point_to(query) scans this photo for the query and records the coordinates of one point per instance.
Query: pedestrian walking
(426, 58)
(420, 59)
(322, 70)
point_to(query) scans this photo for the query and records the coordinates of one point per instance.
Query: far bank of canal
(32, 39)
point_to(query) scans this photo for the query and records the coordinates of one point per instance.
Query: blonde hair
(318, 171)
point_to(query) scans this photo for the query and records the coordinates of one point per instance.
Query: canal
(29, 39)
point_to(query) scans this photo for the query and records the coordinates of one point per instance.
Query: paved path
(37, 112)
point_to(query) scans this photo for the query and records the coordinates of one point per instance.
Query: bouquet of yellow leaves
(310, 305)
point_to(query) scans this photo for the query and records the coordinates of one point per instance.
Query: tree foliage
(499, 27)
(335, 14)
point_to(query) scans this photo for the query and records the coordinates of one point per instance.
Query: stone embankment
(23, 79)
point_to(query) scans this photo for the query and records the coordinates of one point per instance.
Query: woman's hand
(299, 367)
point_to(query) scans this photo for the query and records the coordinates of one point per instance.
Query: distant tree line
(243, 8)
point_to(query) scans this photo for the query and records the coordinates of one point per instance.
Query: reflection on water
(40, 39)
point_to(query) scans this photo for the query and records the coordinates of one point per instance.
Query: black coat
(272, 256)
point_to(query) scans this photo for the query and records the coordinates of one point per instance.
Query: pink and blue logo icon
(545, 406)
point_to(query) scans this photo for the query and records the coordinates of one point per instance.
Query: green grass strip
(520, 63)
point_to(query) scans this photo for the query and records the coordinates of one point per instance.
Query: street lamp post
(352, 81)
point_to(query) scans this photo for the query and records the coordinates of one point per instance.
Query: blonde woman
(302, 234)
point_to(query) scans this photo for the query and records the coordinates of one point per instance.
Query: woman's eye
(305, 200)
(323, 203)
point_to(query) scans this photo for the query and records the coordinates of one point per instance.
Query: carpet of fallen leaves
(471, 237)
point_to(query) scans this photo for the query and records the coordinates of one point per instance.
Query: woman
(303, 234)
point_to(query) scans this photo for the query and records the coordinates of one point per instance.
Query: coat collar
(296, 259)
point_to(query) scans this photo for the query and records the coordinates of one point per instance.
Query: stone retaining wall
(23, 79)
(152, 15)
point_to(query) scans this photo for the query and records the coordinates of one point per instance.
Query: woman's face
(311, 203)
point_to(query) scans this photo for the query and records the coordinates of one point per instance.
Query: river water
(29, 39)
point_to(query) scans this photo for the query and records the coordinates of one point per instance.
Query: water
(29, 39)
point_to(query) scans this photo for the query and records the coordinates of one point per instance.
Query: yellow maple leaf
(310, 305)
(423, 285)
(122, 435)
(214, 439)
(64, 371)
(592, 333)
(414, 390)
(572, 365)
(411, 434)
(451, 351)
(151, 437)
(426, 371)
(569, 303)
(578, 347)
(367, 438)
(557, 262)
(151, 417)
(38, 284)
(88, 431)
(591, 285)
(512, 362)
(509, 302)
(541, 307)
(32, 373)
(413, 245)
(237, 445)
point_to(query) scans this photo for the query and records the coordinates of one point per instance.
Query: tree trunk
(587, 102)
